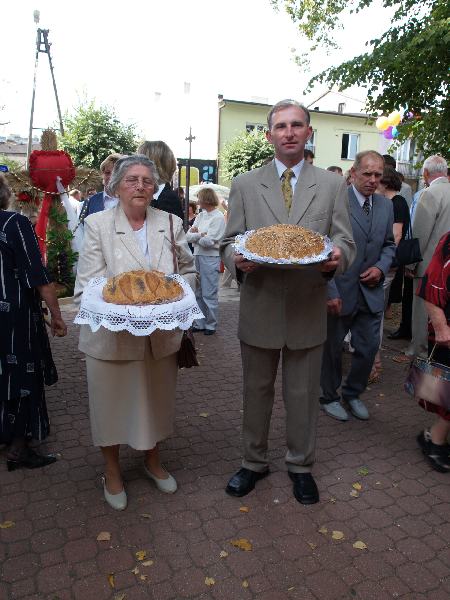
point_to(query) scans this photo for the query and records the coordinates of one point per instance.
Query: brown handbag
(187, 354)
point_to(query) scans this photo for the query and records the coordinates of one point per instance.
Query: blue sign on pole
(4, 168)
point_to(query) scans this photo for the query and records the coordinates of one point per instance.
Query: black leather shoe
(305, 488)
(399, 335)
(244, 481)
(196, 330)
(209, 332)
(30, 460)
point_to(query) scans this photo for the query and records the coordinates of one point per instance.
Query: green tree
(13, 165)
(92, 132)
(245, 152)
(407, 66)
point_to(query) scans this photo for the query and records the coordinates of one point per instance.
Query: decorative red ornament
(44, 167)
(24, 197)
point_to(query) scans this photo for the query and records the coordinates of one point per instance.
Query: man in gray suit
(283, 311)
(431, 221)
(356, 299)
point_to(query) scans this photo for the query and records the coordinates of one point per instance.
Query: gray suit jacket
(110, 248)
(286, 307)
(431, 220)
(375, 247)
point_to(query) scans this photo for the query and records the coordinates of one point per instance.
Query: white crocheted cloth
(137, 320)
(239, 246)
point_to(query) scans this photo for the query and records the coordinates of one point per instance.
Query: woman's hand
(193, 230)
(442, 336)
(246, 266)
(58, 326)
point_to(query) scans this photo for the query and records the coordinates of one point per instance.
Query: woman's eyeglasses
(135, 181)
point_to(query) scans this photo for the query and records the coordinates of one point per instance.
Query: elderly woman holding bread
(131, 379)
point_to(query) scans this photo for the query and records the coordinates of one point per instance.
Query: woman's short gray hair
(121, 168)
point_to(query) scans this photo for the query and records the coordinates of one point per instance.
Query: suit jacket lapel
(305, 191)
(156, 232)
(127, 238)
(357, 213)
(270, 186)
(376, 211)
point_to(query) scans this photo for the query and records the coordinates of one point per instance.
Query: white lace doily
(239, 246)
(138, 320)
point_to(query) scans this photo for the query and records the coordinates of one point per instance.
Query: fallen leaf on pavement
(7, 524)
(146, 516)
(135, 571)
(103, 536)
(359, 545)
(120, 597)
(337, 535)
(244, 509)
(333, 500)
(312, 545)
(223, 554)
(141, 554)
(323, 530)
(245, 584)
(147, 563)
(111, 580)
(363, 471)
(144, 577)
(357, 486)
(204, 415)
(354, 493)
(209, 581)
(242, 544)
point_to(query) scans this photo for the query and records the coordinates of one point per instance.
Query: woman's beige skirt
(132, 402)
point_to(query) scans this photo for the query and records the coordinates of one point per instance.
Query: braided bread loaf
(141, 287)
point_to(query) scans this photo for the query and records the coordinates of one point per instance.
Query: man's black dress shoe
(305, 488)
(209, 332)
(399, 335)
(196, 330)
(243, 482)
(30, 460)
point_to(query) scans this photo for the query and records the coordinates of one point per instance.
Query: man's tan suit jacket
(286, 307)
(110, 248)
(431, 220)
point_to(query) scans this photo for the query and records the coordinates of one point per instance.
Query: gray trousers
(419, 326)
(365, 329)
(300, 384)
(207, 293)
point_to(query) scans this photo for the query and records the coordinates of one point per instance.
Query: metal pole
(30, 132)
(189, 139)
(47, 49)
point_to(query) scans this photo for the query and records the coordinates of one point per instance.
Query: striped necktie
(366, 206)
(286, 188)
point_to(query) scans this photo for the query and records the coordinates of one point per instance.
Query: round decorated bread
(291, 242)
(141, 287)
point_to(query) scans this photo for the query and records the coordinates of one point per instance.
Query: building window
(255, 127)
(350, 143)
(405, 153)
(311, 143)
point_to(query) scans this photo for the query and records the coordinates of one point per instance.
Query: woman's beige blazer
(110, 248)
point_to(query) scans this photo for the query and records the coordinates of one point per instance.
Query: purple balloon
(387, 133)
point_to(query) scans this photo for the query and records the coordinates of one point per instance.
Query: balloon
(394, 118)
(387, 133)
(381, 123)
(394, 132)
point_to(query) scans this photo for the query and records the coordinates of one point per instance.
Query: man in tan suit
(431, 221)
(283, 311)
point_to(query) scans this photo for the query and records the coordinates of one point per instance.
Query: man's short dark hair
(335, 169)
(286, 104)
(308, 154)
(390, 161)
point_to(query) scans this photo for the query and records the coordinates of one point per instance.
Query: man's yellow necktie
(286, 188)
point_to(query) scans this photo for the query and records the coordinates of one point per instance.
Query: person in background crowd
(336, 170)
(102, 200)
(26, 362)
(282, 312)
(90, 192)
(405, 189)
(131, 379)
(348, 177)
(389, 187)
(431, 221)
(205, 234)
(75, 201)
(309, 156)
(164, 197)
(434, 289)
(356, 299)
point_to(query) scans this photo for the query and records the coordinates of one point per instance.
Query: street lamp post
(189, 139)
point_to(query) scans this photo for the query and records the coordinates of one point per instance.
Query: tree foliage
(13, 165)
(245, 152)
(407, 66)
(92, 132)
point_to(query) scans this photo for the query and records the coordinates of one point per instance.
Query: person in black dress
(164, 197)
(26, 362)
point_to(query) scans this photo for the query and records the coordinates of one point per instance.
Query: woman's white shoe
(116, 501)
(168, 486)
